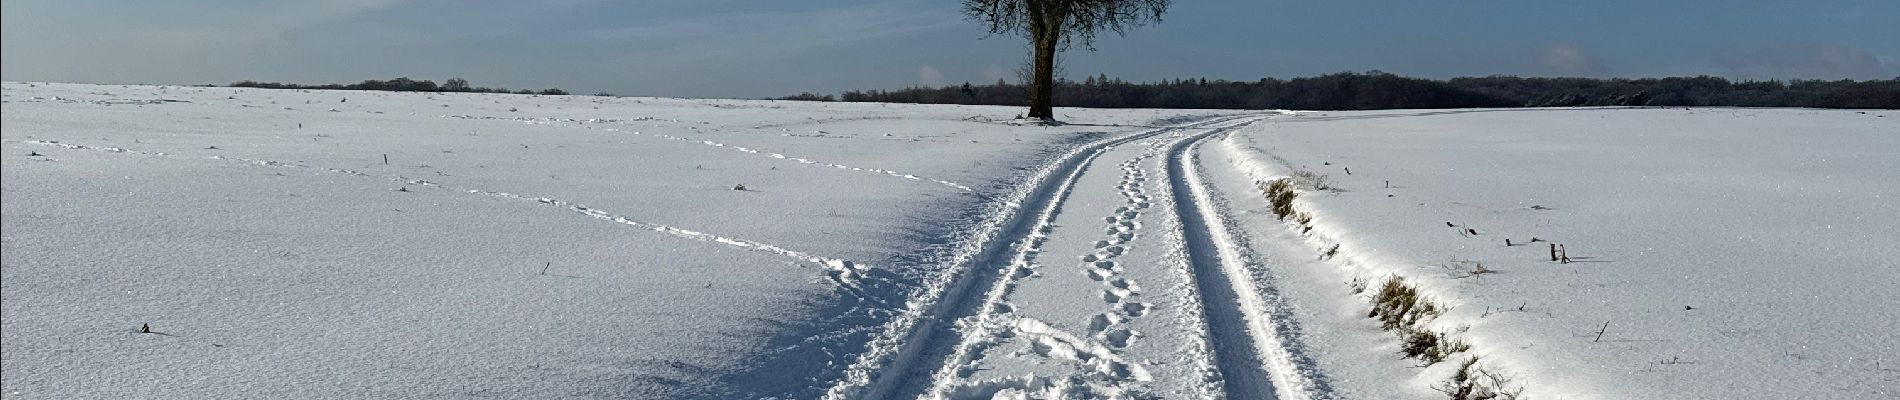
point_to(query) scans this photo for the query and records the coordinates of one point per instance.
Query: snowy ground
(588, 247)
(512, 246)
(1733, 253)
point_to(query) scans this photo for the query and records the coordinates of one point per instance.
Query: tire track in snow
(843, 272)
(1253, 334)
(580, 123)
(992, 315)
(899, 361)
(1192, 315)
(1097, 351)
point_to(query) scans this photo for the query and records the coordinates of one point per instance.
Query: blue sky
(757, 48)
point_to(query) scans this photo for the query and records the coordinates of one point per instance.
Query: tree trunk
(1045, 31)
(1042, 89)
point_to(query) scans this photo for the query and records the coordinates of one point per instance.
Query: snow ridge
(1260, 166)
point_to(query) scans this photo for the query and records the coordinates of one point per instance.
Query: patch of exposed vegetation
(1310, 180)
(1398, 305)
(1474, 382)
(1280, 194)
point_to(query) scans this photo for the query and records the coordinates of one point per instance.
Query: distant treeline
(403, 85)
(1379, 90)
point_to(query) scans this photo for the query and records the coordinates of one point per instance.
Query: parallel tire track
(901, 360)
(1252, 337)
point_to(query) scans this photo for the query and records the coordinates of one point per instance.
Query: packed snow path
(1104, 283)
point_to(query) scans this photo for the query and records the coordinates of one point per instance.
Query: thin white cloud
(930, 77)
(993, 73)
(1569, 60)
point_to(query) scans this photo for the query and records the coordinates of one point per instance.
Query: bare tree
(455, 85)
(1026, 69)
(1053, 25)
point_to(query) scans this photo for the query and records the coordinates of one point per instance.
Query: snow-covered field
(512, 246)
(1732, 253)
(366, 244)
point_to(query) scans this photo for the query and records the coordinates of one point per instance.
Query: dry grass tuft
(1430, 347)
(1311, 180)
(1281, 194)
(1473, 382)
(1398, 305)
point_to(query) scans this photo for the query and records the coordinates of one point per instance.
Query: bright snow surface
(1734, 253)
(588, 247)
(286, 261)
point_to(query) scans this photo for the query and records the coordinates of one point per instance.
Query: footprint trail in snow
(845, 273)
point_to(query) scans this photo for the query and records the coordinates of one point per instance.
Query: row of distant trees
(1379, 90)
(404, 84)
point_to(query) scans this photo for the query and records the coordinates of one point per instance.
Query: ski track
(892, 360)
(1252, 330)
(580, 123)
(845, 273)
